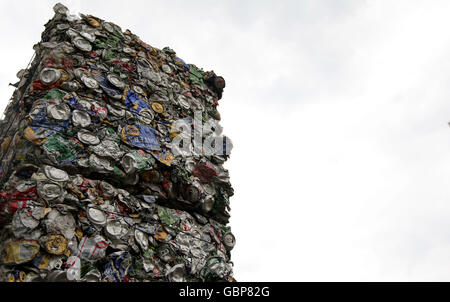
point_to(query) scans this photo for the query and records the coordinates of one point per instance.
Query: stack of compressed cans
(112, 162)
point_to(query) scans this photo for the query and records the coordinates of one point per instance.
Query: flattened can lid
(59, 112)
(90, 82)
(115, 81)
(229, 241)
(87, 137)
(49, 76)
(56, 174)
(81, 118)
(82, 44)
(157, 107)
(96, 216)
(56, 244)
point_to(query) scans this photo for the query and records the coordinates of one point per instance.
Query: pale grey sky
(338, 112)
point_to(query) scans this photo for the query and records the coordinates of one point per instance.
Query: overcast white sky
(338, 113)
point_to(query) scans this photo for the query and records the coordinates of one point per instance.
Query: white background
(338, 112)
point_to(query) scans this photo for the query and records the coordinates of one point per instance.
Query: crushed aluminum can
(118, 266)
(92, 276)
(177, 273)
(108, 27)
(92, 248)
(87, 137)
(114, 229)
(54, 244)
(82, 44)
(90, 82)
(58, 223)
(55, 174)
(192, 194)
(138, 89)
(115, 81)
(166, 68)
(96, 216)
(57, 276)
(137, 161)
(59, 112)
(209, 188)
(81, 118)
(146, 116)
(101, 164)
(88, 36)
(165, 253)
(184, 102)
(157, 107)
(22, 223)
(107, 189)
(20, 251)
(207, 204)
(141, 239)
(114, 111)
(50, 76)
(74, 268)
(70, 86)
(49, 191)
(229, 241)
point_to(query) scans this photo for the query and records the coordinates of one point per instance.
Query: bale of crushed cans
(97, 183)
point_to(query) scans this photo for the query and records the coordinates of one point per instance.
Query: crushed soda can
(19, 251)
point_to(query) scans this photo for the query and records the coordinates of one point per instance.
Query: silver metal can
(56, 174)
(81, 118)
(49, 190)
(90, 82)
(115, 81)
(82, 44)
(60, 112)
(177, 273)
(229, 241)
(49, 76)
(96, 216)
(87, 137)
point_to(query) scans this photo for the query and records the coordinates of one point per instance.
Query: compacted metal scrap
(112, 162)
